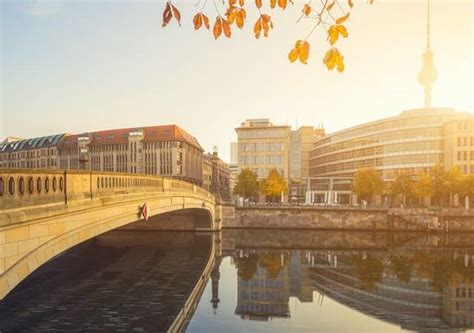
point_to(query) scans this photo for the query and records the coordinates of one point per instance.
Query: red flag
(145, 211)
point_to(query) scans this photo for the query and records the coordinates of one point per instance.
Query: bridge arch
(35, 227)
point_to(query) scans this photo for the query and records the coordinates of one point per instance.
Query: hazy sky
(77, 66)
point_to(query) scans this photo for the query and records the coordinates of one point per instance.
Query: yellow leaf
(258, 3)
(241, 3)
(343, 18)
(333, 34)
(304, 52)
(342, 30)
(293, 55)
(232, 2)
(329, 7)
(350, 3)
(273, 3)
(329, 60)
(339, 59)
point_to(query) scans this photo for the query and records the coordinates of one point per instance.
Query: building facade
(413, 142)
(220, 178)
(263, 146)
(158, 150)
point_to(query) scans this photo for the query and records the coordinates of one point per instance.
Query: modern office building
(412, 142)
(158, 150)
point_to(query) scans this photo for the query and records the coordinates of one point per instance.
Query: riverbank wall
(339, 218)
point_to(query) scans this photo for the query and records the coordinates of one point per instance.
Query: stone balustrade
(23, 188)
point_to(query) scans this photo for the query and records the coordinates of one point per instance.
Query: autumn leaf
(226, 26)
(350, 3)
(307, 10)
(240, 19)
(241, 3)
(257, 28)
(231, 14)
(293, 55)
(258, 3)
(300, 51)
(334, 59)
(205, 19)
(167, 15)
(282, 4)
(176, 14)
(329, 7)
(232, 2)
(304, 52)
(217, 30)
(197, 21)
(273, 3)
(334, 31)
(342, 19)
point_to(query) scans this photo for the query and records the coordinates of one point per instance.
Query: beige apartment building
(263, 146)
(157, 150)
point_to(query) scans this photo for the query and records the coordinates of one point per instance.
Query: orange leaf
(257, 28)
(241, 3)
(273, 3)
(197, 20)
(232, 2)
(350, 3)
(226, 26)
(205, 19)
(258, 3)
(176, 14)
(167, 15)
(282, 4)
(240, 20)
(217, 27)
(342, 19)
(307, 9)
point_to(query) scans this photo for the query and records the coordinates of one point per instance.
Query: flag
(145, 211)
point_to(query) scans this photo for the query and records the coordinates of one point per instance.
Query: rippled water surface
(257, 281)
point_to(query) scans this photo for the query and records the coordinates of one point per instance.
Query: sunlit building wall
(414, 141)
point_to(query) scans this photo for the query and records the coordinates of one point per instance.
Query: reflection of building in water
(263, 297)
(458, 302)
(419, 289)
(267, 293)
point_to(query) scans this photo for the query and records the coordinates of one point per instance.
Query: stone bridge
(45, 212)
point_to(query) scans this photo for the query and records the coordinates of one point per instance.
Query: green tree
(367, 182)
(273, 185)
(404, 186)
(247, 184)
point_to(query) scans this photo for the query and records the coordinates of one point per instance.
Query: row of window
(466, 155)
(465, 141)
(263, 133)
(270, 159)
(262, 147)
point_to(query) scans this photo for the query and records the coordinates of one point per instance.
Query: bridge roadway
(45, 212)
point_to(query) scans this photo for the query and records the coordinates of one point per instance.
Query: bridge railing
(29, 187)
